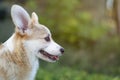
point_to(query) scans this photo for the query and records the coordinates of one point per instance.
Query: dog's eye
(47, 38)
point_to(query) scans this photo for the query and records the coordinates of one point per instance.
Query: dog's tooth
(55, 57)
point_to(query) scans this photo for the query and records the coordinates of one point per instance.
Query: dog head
(36, 38)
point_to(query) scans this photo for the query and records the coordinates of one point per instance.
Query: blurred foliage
(104, 57)
(65, 73)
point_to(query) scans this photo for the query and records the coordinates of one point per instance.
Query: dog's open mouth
(52, 57)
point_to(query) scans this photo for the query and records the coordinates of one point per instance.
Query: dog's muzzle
(52, 57)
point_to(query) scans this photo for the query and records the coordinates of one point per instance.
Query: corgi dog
(31, 41)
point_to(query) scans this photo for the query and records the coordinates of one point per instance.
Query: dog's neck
(15, 46)
(17, 54)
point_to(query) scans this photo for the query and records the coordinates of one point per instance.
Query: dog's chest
(26, 74)
(34, 69)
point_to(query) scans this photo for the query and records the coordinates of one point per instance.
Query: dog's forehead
(40, 31)
(43, 29)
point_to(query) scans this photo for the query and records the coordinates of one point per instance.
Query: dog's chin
(48, 57)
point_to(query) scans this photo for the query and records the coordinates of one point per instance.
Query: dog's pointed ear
(34, 18)
(20, 17)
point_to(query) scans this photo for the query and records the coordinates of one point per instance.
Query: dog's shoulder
(1, 46)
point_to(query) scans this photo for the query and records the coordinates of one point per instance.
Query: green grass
(64, 73)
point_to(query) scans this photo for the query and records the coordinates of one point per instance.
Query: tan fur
(1, 46)
(16, 63)
(20, 53)
(17, 59)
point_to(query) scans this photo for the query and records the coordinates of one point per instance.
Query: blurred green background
(89, 31)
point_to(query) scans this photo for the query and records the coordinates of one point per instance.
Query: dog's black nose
(62, 50)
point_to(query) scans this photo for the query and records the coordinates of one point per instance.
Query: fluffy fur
(20, 53)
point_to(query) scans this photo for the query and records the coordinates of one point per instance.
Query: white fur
(32, 58)
(35, 66)
(19, 16)
(53, 48)
(35, 17)
(32, 45)
(9, 43)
